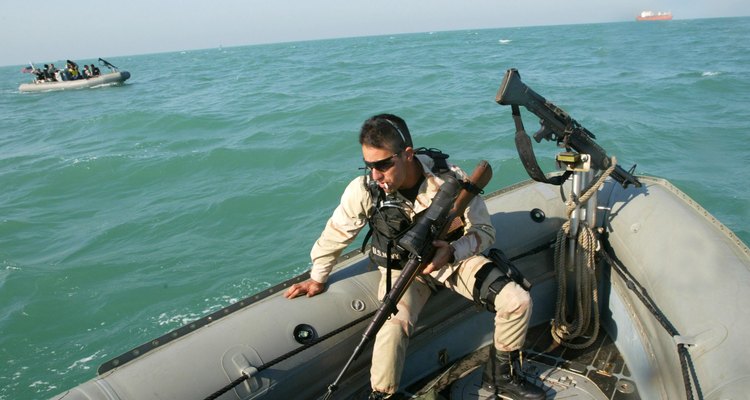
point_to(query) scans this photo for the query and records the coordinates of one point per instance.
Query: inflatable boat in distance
(114, 77)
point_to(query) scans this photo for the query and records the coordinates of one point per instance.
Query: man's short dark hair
(385, 131)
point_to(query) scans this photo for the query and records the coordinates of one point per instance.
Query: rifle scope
(426, 228)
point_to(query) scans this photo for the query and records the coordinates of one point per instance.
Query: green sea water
(128, 211)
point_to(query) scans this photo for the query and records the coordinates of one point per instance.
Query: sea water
(128, 211)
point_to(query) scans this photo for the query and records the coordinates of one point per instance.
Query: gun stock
(435, 223)
(557, 125)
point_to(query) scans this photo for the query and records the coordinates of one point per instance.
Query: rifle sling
(526, 153)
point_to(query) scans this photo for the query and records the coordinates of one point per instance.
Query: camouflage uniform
(513, 303)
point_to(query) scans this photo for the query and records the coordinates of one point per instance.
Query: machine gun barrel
(107, 64)
(557, 125)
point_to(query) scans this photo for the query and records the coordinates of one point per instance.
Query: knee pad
(490, 280)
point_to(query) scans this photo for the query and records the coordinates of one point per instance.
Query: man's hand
(443, 255)
(308, 287)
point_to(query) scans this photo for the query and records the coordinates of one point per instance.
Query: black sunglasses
(381, 165)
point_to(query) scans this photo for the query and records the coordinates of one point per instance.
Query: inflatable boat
(114, 77)
(111, 78)
(653, 305)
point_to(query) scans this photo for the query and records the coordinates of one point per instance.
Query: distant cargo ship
(654, 16)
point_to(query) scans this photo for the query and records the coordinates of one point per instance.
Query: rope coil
(566, 329)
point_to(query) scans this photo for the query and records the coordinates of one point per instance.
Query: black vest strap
(526, 152)
(471, 188)
(438, 157)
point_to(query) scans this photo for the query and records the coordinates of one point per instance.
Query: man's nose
(377, 175)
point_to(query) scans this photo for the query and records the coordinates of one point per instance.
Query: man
(51, 73)
(400, 182)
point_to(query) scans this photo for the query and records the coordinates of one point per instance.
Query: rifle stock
(435, 223)
(557, 125)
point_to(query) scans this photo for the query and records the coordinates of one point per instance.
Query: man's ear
(409, 152)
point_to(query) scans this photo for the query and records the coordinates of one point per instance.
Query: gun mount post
(582, 175)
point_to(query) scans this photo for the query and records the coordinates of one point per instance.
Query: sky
(44, 31)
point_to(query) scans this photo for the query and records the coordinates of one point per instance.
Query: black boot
(375, 395)
(503, 376)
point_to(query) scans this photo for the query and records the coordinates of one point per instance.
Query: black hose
(686, 362)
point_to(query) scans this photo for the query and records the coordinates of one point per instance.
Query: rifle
(438, 221)
(556, 125)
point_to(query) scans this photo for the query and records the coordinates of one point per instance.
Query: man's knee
(500, 287)
(489, 282)
(513, 301)
(395, 327)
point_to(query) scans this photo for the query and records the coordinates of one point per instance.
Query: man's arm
(479, 234)
(341, 229)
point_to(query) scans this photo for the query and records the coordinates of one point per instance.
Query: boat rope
(686, 363)
(564, 330)
(285, 356)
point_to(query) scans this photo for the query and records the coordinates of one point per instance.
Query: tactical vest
(390, 218)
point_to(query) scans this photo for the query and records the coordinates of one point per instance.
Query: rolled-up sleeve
(479, 234)
(349, 217)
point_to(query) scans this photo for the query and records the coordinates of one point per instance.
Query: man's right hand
(308, 287)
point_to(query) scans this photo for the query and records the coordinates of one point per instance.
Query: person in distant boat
(399, 183)
(72, 71)
(95, 70)
(46, 73)
(50, 72)
(38, 74)
(86, 71)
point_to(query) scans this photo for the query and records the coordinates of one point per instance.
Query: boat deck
(597, 372)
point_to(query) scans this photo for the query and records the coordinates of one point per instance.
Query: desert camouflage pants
(513, 305)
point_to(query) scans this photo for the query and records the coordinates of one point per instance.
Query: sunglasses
(381, 165)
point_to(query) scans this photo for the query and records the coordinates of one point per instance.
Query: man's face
(388, 169)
